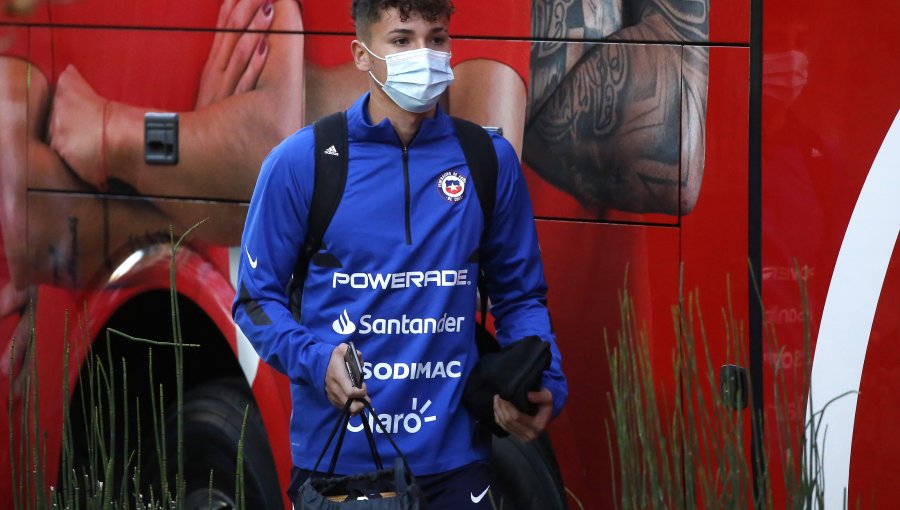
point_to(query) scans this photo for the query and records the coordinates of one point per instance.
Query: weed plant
(692, 452)
(109, 477)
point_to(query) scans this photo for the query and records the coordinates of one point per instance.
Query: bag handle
(370, 438)
(388, 436)
(342, 422)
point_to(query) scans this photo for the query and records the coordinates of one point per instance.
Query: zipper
(406, 185)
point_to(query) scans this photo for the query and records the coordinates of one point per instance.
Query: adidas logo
(331, 151)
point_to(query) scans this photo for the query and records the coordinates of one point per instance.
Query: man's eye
(401, 42)
(439, 40)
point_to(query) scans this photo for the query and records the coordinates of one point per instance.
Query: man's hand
(337, 382)
(237, 56)
(523, 426)
(76, 126)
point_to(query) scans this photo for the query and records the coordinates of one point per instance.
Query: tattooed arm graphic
(619, 125)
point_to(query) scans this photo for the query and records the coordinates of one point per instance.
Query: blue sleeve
(514, 271)
(273, 237)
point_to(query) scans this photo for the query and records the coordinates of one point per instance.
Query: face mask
(785, 74)
(415, 78)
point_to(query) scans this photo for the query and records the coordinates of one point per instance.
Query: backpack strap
(331, 166)
(481, 158)
(332, 163)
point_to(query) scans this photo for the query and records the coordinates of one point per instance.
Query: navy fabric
(468, 487)
(408, 306)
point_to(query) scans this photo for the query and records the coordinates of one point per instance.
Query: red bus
(655, 135)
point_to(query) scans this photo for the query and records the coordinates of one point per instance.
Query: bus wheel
(528, 474)
(213, 416)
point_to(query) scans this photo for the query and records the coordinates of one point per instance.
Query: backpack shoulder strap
(481, 159)
(332, 163)
(331, 167)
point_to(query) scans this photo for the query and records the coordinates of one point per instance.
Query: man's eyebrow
(409, 31)
(402, 31)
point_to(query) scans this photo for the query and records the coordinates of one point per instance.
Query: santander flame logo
(343, 325)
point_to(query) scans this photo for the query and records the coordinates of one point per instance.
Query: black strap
(332, 163)
(342, 422)
(388, 436)
(481, 158)
(370, 437)
(331, 167)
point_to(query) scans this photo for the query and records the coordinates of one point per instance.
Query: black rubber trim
(754, 255)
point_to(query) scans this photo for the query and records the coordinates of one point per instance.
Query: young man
(398, 269)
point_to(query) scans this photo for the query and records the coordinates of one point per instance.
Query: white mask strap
(370, 51)
(376, 56)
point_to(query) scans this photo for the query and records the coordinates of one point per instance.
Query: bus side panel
(585, 272)
(830, 95)
(714, 236)
(512, 19)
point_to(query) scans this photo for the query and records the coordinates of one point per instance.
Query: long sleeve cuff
(559, 388)
(318, 358)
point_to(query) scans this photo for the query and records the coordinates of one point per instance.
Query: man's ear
(361, 58)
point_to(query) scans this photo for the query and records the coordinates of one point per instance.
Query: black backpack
(331, 167)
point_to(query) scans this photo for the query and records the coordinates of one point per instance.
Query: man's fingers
(540, 397)
(239, 19)
(504, 413)
(254, 69)
(356, 408)
(224, 12)
(244, 11)
(249, 44)
(523, 427)
(221, 20)
(357, 394)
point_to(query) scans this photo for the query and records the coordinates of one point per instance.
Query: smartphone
(354, 367)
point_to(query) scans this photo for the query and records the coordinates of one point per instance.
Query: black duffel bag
(382, 489)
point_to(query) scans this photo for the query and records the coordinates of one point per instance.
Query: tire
(528, 474)
(213, 417)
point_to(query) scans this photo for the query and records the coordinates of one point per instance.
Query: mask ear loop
(376, 56)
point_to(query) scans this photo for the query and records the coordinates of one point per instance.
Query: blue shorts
(470, 486)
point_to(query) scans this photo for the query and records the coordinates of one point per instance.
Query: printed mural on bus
(602, 100)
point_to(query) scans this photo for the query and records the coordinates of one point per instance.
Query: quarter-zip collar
(361, 129)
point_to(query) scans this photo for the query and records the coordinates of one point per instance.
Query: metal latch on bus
(161, 138)
(733, 386)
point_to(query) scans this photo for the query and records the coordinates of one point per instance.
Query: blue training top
(401, 284)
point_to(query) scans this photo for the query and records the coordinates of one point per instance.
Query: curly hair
(368, 12)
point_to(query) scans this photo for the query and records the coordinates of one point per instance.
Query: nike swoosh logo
(253, 263)
(477, 499)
